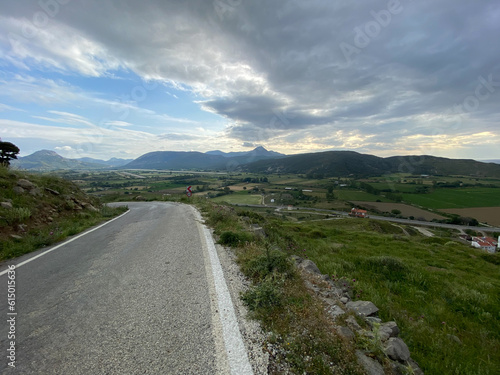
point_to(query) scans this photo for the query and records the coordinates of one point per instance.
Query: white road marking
(235, 349)
(64, 243)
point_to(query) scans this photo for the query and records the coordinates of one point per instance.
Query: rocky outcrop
(336, 295)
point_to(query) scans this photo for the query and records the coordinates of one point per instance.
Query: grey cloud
(277, 68)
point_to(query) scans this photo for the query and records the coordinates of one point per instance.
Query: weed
(266, 294)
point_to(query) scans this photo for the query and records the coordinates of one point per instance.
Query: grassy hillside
(443, 294)
(349, 163)
(39, 210)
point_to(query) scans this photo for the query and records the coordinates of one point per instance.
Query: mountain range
(46, 160)
(260, 160)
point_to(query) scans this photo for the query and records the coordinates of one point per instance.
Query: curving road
(142, 294)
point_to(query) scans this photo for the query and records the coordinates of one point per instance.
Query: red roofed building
(485, 243)
(356, 212)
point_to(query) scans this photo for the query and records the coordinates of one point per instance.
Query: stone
(18, 190)
(6, 205)
(387, 330)
(345, 332)
(35, 192)
(25, 184)
(415, 367)
(363, 308)
(309, 285)
(309, 266)
(297, 259)
(372, 320)
(396, 349)
(344, 300)
(353, 324)
(89, 207)
(335, 311)
(55, 192)
(257, 229)
(16, 237)
(371, 366)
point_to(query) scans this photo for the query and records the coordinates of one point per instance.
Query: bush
(235, 239)
(264, 295)
(273, 262)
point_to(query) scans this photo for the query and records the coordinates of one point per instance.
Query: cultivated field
(489, 215)
(456, 198)
(406, 210)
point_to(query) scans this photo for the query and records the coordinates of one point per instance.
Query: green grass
(239, 198)
(279, 299)
(44, 218)
(456, 198)
(355, 195)
(432, 287)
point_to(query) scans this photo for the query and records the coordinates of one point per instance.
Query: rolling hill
(46, 160)
(350, 163)
(213, 160)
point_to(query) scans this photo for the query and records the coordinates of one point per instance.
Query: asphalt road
(136, 296)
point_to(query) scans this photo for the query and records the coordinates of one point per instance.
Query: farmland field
(404, 208)
(354, 195)
(490, 215)
(456, 198)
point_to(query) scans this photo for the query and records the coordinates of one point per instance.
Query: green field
(456, 198)
(355, 195)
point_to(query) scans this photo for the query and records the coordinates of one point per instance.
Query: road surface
(140, 295)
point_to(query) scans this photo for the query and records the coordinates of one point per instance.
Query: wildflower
(353, 280)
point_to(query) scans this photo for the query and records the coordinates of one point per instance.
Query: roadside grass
(443, 295)
(241, 197)
(278, 298)
(55, 232)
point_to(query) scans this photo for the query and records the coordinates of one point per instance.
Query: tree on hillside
(8, 151)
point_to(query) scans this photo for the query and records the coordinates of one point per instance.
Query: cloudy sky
(119, 78)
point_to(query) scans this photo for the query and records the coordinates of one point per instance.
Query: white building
(485, 243)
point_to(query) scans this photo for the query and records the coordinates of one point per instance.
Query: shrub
(272, 262)
(234, 239)
(264, 295)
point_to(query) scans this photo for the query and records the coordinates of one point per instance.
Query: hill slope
(37, 210)
(197, 160)
(346, 163)
(46, 160)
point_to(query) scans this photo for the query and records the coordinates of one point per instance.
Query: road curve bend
(143, 294)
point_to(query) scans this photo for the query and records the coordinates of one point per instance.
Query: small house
(485, 243)
(356, 212)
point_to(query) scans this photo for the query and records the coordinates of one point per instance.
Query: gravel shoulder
(253, 336)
